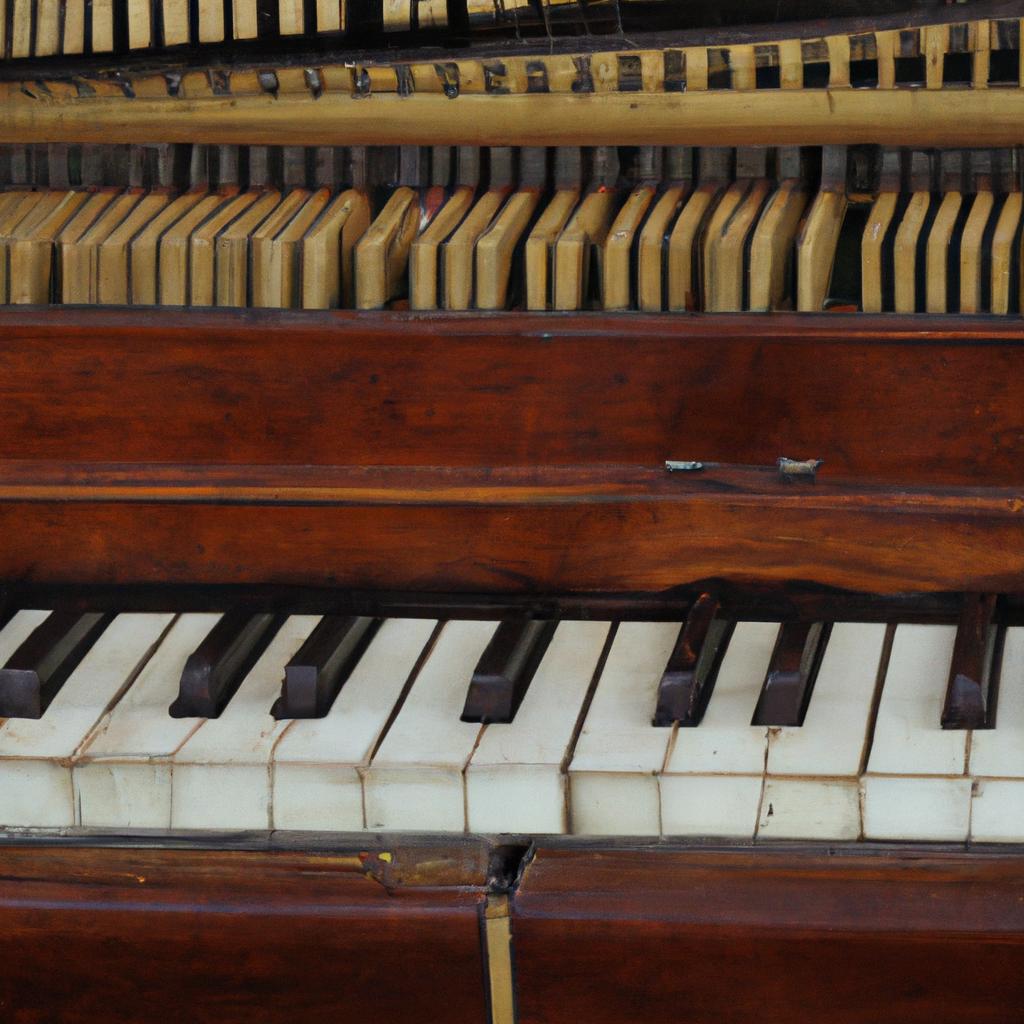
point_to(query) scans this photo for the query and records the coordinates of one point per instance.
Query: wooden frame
(359, 451)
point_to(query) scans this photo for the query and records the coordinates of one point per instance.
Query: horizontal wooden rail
(896, 117)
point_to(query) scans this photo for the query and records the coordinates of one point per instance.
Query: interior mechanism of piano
(544, 478)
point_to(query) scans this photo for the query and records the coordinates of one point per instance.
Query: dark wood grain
(144, 935)
(769, 935)
(977, 655)
(792, 673)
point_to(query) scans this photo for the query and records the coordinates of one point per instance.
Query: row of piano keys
(826, 731)
(567, 229)
(976, 54)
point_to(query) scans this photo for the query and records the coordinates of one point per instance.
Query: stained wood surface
(769, 935)
(360, 451)
(143, 935)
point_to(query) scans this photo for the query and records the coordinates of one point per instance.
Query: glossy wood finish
(145, 935)
(360, 451)
(887, 937)
(974, 671)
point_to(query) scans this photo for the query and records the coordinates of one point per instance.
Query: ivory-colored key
(175, 246)
(274, 244)
(231, 249)
(540, 244)
(496, 248)
(47, 41)
(145, 246)
(876, 230)
(996, 761)
(415, 780)
(684, 243)
(175, 20)
(35, 754)
(122, 775)
(515, 781)
(221, 774)
(243, 19)
(613, 774)
(202, 278)
(459, 249)
(1004, 241)
(819, 239)
(318, 762)
(423, 253)
(383, 252)
(812, 786)
(581, 240)
(77, 245)
(616, 290)
(916, 787)
(328, 252)
(31, 251)
(140, 28)
(771, 247)
(291, 18)
(714, 773)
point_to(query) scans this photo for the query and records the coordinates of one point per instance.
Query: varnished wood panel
(151, 935)
(769, 936)
(910, 400)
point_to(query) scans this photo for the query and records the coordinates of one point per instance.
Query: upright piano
(511, 511)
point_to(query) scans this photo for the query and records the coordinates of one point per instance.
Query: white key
(18, 630)
(515, 780)
(997, 812)
(829, 748)
(714, 773)
(613, 775)
(909, 741)
(123, 774)
(35, 754)
(221, 775)
(318, 762)
(415, 781)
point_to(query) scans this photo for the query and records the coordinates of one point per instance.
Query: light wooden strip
(971, 252)
(905, 252)
(290, 17)
(838, 61)
(423, 254)
(618, 248)
(383, 252)
(47, 28)
(498, 932)
(144, 249)
(232, 251)
(816, 249)
(21, 28)
(328, 252)
(460, 248)
(1003, 243)
(696, 69)
(32, 253)
(211, 21)
(113, 284)
(936, 45)
(270, 277)
(175, 14)
(791, 64)
(653, 248)
(937, 253)
(683, 257)
(202, 251)
(397, 15)
(586, 231)
(871, 244)
(727, 252)
(3, 27)
(772, 247)
(140, 25)
(742, 67)
(540, 244)
(243, 19)
(904, 117)
(103, 31)
(330, 15)
(981, 37)
(77, 244)
(885, 50)
(497, 245)
(74, 27)
(174, 248)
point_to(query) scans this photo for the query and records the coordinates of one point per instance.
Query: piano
(511, 512)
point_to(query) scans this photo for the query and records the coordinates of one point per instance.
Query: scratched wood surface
(509, 454)
(120, 935)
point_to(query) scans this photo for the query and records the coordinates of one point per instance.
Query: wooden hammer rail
(954, 85)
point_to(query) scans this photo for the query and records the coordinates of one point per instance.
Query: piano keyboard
(48, 28)
(181, 722)
(458, 228)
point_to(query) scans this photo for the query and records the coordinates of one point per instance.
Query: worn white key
(829, 748)
(909, 741)
(515, 781)
(221, 775)
(18, 629)
(415, 781)
(317, 780)
(122, 776)
(35, 754)
(997, 807)
(714, 772)
(613, 775)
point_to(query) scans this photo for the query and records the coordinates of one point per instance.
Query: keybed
(652, 229)
(392, 748)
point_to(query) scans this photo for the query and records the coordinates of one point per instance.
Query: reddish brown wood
(769, 935)
(515, 454)
(146, 935)
(976, 660)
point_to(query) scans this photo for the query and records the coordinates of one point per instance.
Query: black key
(792, 673)
(974, 670)
(322, 665)
(37, 670)
(217, 667)
(505, 670)
(692, 668)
